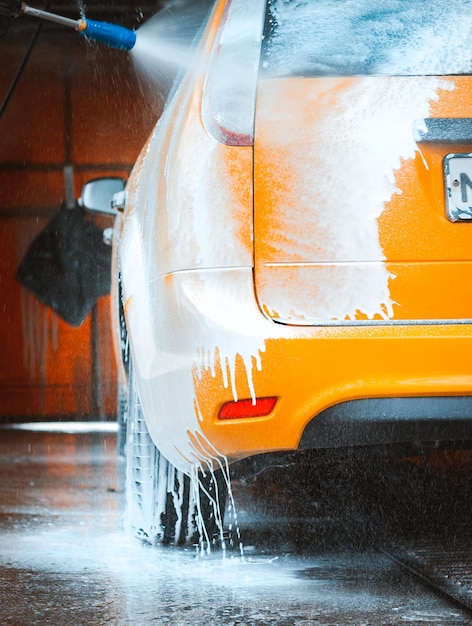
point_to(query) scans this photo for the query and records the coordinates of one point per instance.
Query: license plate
(458, 182)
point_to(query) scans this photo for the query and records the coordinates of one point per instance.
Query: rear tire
(122, 419)
(161, 501)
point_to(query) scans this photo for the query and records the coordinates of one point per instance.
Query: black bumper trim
(374, 421)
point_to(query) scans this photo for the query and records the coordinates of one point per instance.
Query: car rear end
(362, 226)
(303, 225)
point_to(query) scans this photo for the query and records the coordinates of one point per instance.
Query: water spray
(103, 32)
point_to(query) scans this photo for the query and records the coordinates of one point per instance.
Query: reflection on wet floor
(65, 559)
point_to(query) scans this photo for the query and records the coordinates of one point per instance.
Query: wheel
(164, 505)
(122, 419)
(158, 497)
(122, 399)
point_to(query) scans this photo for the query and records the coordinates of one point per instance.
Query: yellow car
(295, 250)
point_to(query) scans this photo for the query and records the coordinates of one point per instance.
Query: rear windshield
(366, 37)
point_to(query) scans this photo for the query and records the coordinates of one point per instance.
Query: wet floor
(66, 560)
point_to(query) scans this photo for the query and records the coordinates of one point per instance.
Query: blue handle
(110, 34)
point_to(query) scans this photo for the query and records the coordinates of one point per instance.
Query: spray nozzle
(109, 34)
(103, 32)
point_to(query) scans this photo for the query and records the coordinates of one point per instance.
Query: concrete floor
(66, 560)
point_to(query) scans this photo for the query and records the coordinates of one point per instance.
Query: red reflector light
(247, 408)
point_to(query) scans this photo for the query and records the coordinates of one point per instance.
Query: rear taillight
(230, 87)
(247, 408)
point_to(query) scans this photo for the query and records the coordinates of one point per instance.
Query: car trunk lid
(351, 178)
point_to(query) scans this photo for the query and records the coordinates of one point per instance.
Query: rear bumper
(337, 386)
(204, 342)
(373, 421)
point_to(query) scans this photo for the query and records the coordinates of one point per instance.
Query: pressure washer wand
(103, 32)
(44, 15)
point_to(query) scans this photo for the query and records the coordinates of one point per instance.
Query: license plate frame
(458, 186)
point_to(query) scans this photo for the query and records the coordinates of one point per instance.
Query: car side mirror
(98, 195)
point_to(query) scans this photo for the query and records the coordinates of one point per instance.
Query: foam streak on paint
(207, 315)
(191, 309)
(343, 166)
(343, 174)
(201, 307)
(222, 344)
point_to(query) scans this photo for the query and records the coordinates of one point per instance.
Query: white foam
(351, 37)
